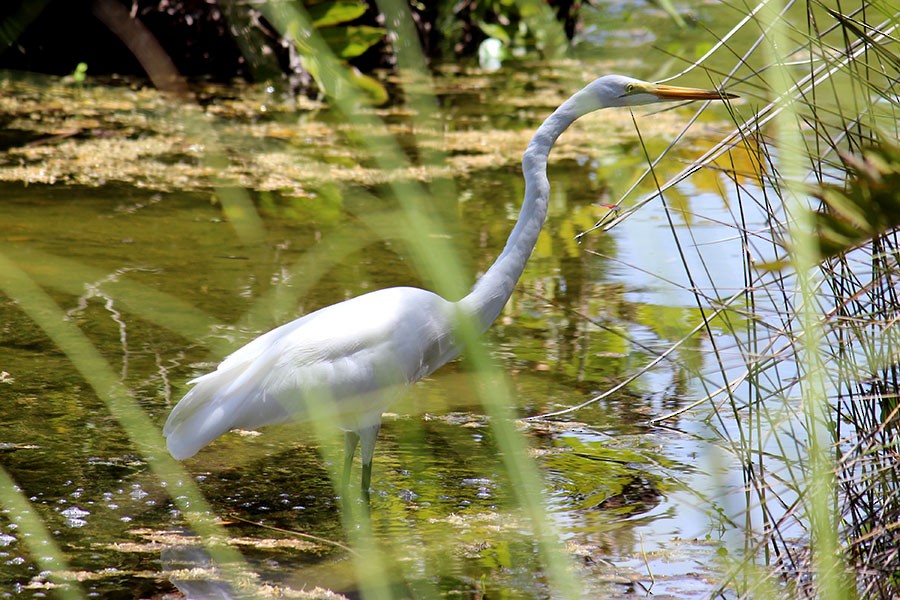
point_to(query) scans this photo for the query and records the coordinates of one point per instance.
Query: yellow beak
(671, 92)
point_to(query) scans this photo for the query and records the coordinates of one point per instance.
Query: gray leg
(368, 436)
(351, 439)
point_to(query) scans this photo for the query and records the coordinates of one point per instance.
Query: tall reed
(812, 416)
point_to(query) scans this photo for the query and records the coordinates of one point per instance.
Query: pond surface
(170, 235)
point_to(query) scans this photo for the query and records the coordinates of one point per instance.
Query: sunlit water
(632, 503)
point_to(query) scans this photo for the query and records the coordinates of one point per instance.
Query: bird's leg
(368, 436)
(351, 439)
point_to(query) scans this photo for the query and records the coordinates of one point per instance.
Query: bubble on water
(408, 495)
(74, 515)
(137, 493)
(484, 486)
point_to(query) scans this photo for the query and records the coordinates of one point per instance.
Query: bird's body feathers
(348, 361)
(340, 362)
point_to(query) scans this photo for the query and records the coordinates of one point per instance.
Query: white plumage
(351, 359)
(348, 362)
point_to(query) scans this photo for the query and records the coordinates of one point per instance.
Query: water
(166, 264)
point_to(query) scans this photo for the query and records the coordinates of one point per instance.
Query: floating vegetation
(95, 135)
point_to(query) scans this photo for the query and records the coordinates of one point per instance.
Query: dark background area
(203, 37)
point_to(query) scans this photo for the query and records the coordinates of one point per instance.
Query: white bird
(351, 360)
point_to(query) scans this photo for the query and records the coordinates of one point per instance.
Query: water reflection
(150, 276)
(193, 572)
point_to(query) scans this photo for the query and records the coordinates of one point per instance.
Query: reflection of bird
(349, 361)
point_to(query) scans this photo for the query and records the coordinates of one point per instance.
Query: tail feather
(196, 421)
(206, 412)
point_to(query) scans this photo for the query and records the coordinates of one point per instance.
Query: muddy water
(168, 244)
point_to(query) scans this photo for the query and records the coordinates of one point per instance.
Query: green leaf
(854, 213)
(327, 14)
(371, 86)
(493, 30)
(772, 266)
(867, 205)
(349, 42)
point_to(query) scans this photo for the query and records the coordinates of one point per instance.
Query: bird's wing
(346, 361)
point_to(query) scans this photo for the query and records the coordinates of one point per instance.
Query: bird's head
(617, 90)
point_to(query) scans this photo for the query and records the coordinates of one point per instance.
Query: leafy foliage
(867, 206)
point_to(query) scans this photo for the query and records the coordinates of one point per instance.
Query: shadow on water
(158, 281)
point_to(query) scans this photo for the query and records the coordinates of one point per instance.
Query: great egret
(349, 361)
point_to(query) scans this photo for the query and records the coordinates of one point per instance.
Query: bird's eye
(629, 87)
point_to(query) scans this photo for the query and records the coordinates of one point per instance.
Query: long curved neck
(490, 293)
